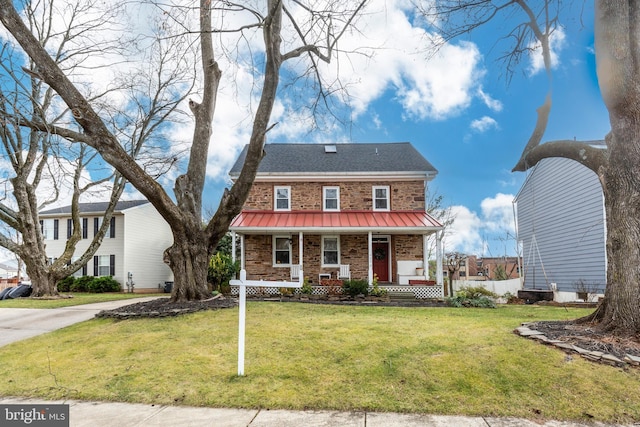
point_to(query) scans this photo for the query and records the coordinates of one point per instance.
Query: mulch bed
(588, 337)
(163, 307)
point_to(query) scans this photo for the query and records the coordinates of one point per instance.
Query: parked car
(5, 292)
(23, 290)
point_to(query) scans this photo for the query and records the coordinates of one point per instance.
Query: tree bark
(618, 68)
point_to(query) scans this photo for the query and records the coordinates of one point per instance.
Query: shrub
(81, 284)
(103, 284)
(65, 284)
(473, 297)
(377, 291)
(355, 287)
(306, 287)
(221, 270)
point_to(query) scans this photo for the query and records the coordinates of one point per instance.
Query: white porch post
(425, 261)
(300, 257)
(233, 246)
(370, 258)
(242, 266)
(439, 279)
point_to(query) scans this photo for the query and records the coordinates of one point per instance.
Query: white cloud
(497, 213)
(493, 104)
(556, 44)
(483, 124)
(488, 234)
(464, 235)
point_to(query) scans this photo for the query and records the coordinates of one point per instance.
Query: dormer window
(381, 198)
(331, 198)
(282, 198)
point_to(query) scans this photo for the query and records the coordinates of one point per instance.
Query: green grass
(78, 298)
(305, 356)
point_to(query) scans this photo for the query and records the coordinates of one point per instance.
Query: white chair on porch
(345, 272)
(295, 272)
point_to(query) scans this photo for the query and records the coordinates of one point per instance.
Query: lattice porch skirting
(420, 292)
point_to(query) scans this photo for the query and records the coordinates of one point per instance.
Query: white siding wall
(109, 246)
(561, 204)
(146, 236)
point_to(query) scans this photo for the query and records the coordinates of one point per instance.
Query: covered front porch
(391, 248)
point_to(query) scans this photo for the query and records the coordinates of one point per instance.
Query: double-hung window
(330, 251)
(331, 198)
(282, 198)
(381, 198)
(281, 251)
(104, 265)
(49, 229)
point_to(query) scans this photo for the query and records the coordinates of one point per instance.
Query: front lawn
(305, 356)
(77, 298)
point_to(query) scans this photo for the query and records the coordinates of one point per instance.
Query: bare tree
(35, 132)
(454, 261)
(617, 54)
(313, 37)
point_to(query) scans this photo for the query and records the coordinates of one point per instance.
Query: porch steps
(401, 296)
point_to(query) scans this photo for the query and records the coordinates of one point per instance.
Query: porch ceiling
(396, 222)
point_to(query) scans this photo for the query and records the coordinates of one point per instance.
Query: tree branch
(583, 153)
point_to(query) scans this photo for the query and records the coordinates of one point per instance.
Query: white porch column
(233, 246)
(242, 266)
(425, 260)
(300, 257)
(370, 258)
(439, 279)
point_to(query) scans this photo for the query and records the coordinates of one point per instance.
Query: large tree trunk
(188, 259)
(618, 67)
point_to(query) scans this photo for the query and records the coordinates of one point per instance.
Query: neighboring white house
(134, 243)
(561, 226)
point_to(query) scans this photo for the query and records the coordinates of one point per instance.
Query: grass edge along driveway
(305, 356)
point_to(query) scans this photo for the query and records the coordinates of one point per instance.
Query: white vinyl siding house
(134, 243)
(561, 227)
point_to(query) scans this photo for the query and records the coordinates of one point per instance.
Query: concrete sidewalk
(17, 324)
(101, 414)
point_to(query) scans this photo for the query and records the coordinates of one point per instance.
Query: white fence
(499, 287)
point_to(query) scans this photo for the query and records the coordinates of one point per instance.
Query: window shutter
(85, 228)
(95, 265)
(42, 226)
(56, 223)
(69, 226)
(112, 265)
(95, 226)
(84, 270)
(112, 229)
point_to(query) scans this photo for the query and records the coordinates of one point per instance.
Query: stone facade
(357, 195)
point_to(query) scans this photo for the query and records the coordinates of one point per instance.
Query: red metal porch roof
(346, 221)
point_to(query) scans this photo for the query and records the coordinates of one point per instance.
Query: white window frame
(325, 198)
(324, 238)
(275, 197)
(374, 198)
(274, 246)
(48, 227)
(101, 266)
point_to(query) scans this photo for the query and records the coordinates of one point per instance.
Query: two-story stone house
(134, 243)
(337, 211)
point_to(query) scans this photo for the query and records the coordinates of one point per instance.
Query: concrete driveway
(21, 323)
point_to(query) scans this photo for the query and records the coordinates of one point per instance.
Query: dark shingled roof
(312, 158)
(98, 207)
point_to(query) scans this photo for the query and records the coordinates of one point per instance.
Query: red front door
(381, 261)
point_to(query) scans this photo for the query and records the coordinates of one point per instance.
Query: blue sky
(455, 106)
(468, 122)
